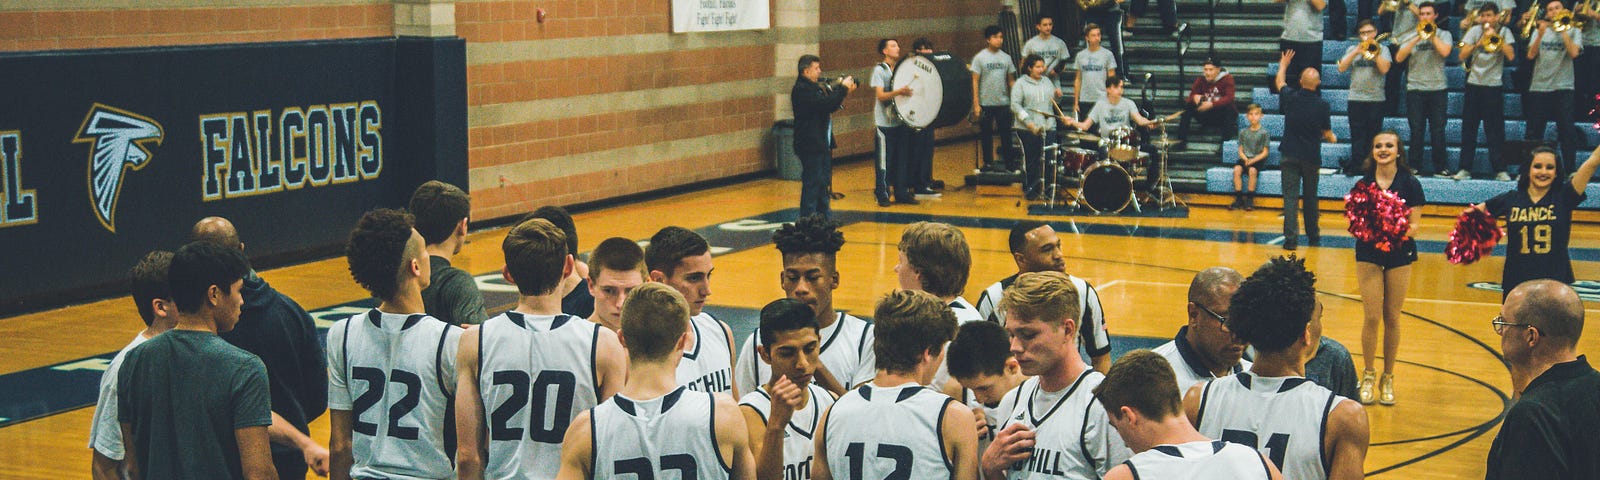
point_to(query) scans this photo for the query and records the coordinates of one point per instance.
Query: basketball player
(934, 258)
(810, 249)
(575, 287)
(1035, 247)
(616, 267)
(681, 259)
(1205, 349)
(1054, 427)
(1146, 411)
(153, 299)
(1307, 431)
(441, 210)
(391, 370)
(981, 362)
(656, 424)
(894, 426)
(783, 413)
(509, 366)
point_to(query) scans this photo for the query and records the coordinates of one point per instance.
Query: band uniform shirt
(1366, 82)
(1474, 5)
(1092, 67)
(992, 68)
(1305, 116)
(1425, 66)
(1052, 49)
(186, 392)
(1108, 116)
(1091, 319)
(1253, 142)
(1552, 71)
(882, 430)
(1536, 233)
(1187, 368)
(452, 296)
(1486, 67)
(798, 449)
(382, 364)
(535, 373)
(1028, 98)
(105, 433)
(675, 432)
(1202, 460)
(882, 80)
(1302, 22)
(1284, 418)
(846, 350)
(708, 365)
(1074, 437)
(1553, 430)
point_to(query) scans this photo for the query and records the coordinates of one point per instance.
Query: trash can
(783, 150)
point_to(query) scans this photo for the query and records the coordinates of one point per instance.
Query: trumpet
(1426, 30)
(1562, 22)
(1370, 48)
(1491, 42)
(1529, 22)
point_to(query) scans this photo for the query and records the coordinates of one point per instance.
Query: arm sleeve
(314, 366)
(105, 433)
(252, 399)
(127, 405)
(338, 385)
(1500, 205)
(1418, 198)
(1529, 444)
(1018, 112)
(1102, 442)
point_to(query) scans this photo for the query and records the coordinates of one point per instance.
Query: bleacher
(1219, 179)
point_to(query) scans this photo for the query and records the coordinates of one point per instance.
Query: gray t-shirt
(1366, 83)
(1591, 34)
(1473, 6)
(452, 295)
(1092, 67)
(1405, 23)
(1253, 142)
(1028, 98)
(883, 79)
(1425, 67)
(1486, 67)
(1302, 22)
(1053, 50)
(992, 68)
(1108, 116)
(187, 391)
(1552, 71)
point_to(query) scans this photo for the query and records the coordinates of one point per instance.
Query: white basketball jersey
(1204, 460)
(797, 446)
(965, 312)
(708, 365)
(1282, 417)
(991, 417)
(846, 349)
(645, 439)
(396, 375)
(535, 373)
(1092, 334)
(1074, 437)
(875, 433)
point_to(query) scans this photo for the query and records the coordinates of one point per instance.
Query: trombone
(1426, 30)
(1491, 42)
(1529, 21)
(1370, 48)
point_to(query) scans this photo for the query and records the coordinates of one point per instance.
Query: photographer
(812, 103)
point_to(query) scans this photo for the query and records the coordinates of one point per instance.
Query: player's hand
(1011, 445)
(316, 458)
(785, 400)
(903, 91)
(981, 421)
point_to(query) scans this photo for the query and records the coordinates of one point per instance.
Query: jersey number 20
(542, 427)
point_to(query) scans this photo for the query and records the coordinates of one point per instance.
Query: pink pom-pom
(1474, 237)
(1377, 216)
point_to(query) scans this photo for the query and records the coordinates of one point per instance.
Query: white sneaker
(1326, 171)
(1463, 175)
(1502, 176)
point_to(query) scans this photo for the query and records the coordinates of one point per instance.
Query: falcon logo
(121, 141)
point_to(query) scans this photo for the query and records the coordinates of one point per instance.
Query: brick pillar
(795, 22)
(424, 18)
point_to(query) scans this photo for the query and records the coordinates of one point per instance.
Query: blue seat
(1439, 190)
(1338, 100)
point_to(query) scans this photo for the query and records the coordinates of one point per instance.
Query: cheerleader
(1383, 276)
(1538, 218)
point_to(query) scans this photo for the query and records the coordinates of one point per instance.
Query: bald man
(275, 328)
(1553, 431)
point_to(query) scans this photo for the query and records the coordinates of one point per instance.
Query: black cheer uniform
(1536, 234)
(1406, 186)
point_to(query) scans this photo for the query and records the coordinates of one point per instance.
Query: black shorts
(1406, 254)
(1240, 164)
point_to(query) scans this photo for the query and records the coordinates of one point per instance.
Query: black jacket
(811, 109)
(284, 336)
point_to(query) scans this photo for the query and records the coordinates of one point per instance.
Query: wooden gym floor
(1452, 385)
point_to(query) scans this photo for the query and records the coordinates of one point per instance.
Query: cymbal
(1165, 142)
(1083, 136)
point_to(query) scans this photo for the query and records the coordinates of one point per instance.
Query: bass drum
(1106, 188)
(941, 90)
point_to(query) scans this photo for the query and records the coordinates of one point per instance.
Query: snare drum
(1074, 160)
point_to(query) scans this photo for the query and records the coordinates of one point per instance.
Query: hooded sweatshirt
(1220, 92)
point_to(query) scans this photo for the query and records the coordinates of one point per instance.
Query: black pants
(1541, 108)
(1225, 119)
(1306, 54)
(1338, 22)
(1033, 151)
(1587, 69)
(1300, 186)
(1366, 120)
(1392, 93)
(996, 121)
(1487, 105)
(1425, 113)
(1110, 22)
(921, 171)
(1169, 11)
(893, 158)
(816, 180)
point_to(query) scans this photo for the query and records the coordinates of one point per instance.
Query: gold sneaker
(1386, 389)
(1367, 381)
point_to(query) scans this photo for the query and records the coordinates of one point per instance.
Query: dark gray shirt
(1253, 142)
(185, 392)
(452, 295)
(1333, 369)
(1305, 116)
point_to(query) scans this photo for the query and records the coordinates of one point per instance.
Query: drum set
(1099, 172)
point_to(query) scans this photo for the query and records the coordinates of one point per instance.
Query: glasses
(1500, 325)
(1223, 319)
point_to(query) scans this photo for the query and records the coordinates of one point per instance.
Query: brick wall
(129, 23)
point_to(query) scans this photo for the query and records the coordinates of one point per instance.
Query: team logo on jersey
(121, 141)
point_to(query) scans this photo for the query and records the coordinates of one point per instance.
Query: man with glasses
(1204, 349)
(1551, 431)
